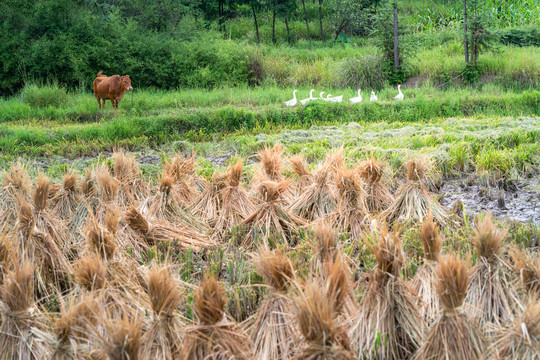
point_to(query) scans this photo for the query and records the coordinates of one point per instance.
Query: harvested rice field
(396, 240)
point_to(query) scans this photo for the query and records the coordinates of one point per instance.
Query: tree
(396, 38)
(307, 23)
(284, 10)
(350, 16)
(465, 41)
(320, 20)
(481, 38)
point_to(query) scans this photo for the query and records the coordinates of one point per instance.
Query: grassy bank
(151, 119)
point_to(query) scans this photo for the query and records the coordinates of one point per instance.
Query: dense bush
(43, 96)
(520, 37)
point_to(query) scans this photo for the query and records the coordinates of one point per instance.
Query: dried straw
(271, 163)
(351, 214)
(452, 335)
(214, 337)
(163, 338)
(423, 282)
(270, 218)
(236, 204)
(305, 178)
(21, 322)
(378, 198)
(317, 319)
(64, 203)
(317, 199)
(490, 296)
(527, 268)
(127, 172)
(36, 247)
(208, 205)
(518, 339)
(274, 333)
(413, 201)
(388, 324)
(184, 179)
(161, 231)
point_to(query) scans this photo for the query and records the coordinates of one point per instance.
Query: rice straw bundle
(378, 198)
(271, 161)
(20, 320)
(518, 339)
(325, 246)
(126, 171)
(88, 202)
(270, 218)
(72, 328)
(36, 247)
(64, 202)
(338, 280)
(490, 296)
(122, 338)
(161, 231)
(107, 185)
(527, 268)
(16, 183)
(413, 200)
(163, 338)
(299, 166)
(351, 214)
(124, 279)
(209, 203)
(423, 282)
(113, 289)
(236, 204)
(184, 179)
(47, 222)
(317, 200)
(317, 319)
(274, 333)
(388, 324)
(166, 205)
(452, 335)
(215, 337)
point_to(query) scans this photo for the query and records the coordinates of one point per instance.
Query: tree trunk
(320, 19)
(465, 40)
(396, 38)
(307, 24)
(274, 25)
(256, 25)
(288, 32)
(220, 15)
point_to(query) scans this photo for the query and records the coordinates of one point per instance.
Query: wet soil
(511, 201)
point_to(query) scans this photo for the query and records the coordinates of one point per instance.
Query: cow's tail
(101, 74)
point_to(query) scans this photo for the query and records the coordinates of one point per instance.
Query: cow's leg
(98, 102)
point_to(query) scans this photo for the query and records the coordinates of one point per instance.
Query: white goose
(373, 97)
(399, 96)
(357, 99)
(337, 98)
(328, 97)
(304, 102)
(320, 95)
(293, 101)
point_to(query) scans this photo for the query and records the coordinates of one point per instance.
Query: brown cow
(111, 88)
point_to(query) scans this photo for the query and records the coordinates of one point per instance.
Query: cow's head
(126, 81)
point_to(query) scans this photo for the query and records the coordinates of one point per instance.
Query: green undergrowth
(152, 119)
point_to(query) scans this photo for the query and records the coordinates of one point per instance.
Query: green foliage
(44, 96)
(368, 72)
(519, 37)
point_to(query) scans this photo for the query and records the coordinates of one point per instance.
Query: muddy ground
(517, 200)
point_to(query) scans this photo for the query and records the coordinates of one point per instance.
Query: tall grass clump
(367, 72)
(43, 96)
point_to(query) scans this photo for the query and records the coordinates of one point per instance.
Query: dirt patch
(518, 201)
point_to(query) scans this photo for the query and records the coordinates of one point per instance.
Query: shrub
(366, 72)
(44, 96)
(519, 37)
